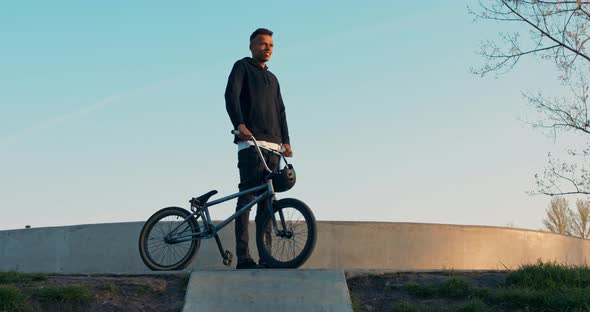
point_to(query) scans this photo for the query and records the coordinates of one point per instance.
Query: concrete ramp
(267, 290)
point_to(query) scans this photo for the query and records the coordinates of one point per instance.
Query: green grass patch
(141, 290)
(110, 287)
(15, 277)
(356, 306)
(538, 287)
(12, 299)
(549, 275)
(454, 288)
(545, 286)
(406, 307)
(475, 305)
(66, 294)
(470, 306)
(451, 288)
(564, 299)
(420, 291)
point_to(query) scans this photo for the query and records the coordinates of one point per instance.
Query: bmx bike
(171, 237)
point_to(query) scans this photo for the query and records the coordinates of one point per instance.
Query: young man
(255, 106)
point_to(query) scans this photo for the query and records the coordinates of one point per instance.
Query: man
(255, 106)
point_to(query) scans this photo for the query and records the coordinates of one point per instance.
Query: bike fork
(279, 231)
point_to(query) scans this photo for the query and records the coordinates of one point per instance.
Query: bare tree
(580, 219)
(558, 32)
(558, 216)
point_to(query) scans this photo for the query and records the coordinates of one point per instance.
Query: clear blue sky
(110, 110)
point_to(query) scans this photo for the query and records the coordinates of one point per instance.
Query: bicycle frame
(209, 230)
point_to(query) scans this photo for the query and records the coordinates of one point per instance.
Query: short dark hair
(260, 31)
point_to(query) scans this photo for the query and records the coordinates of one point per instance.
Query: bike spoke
(169, 254)
(286, 249)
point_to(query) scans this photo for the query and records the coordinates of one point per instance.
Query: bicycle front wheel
(297, 235)
(166, 241)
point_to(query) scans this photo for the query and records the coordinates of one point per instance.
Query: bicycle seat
(204, 198)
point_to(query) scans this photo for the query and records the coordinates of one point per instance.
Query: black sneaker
(249, 264)
(263, 264)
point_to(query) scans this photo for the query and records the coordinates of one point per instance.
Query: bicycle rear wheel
(297, 238)
(157, 246)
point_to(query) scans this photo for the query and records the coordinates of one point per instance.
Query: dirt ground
(379, 292)
(369, 292)
(116, 293)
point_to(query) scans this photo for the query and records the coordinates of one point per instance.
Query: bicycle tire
(159, 255)
(288, 252)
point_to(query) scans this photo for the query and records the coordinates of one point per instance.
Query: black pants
(252, 174)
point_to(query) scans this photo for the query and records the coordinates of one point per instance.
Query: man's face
(261, 48)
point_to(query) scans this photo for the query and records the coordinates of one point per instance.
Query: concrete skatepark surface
(267, 290)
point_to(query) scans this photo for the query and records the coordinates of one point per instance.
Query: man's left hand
(288, 151)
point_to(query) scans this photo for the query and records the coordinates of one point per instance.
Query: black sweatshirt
(253, 97)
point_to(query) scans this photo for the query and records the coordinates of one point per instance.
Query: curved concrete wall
(113, 248)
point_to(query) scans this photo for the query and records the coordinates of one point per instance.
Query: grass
(406, 307)
(65, 294)
(451, 288)
(20, 292)
(550, 286)
(356, 306)
(12, 299)
(110, 287)
(15, 277)
(564, 299)
(537, 287)
(141, 290)
(470, 306)
(550, 275)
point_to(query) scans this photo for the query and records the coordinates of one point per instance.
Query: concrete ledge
(113, 248)
(268, 290)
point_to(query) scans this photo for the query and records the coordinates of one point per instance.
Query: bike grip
(235, 132)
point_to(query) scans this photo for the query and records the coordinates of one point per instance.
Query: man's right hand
(245, 134)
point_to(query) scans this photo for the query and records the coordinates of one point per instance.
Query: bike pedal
(227, 258)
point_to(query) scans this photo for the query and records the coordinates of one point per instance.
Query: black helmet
(284, 179)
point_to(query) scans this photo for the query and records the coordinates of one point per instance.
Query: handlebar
(258, 147)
